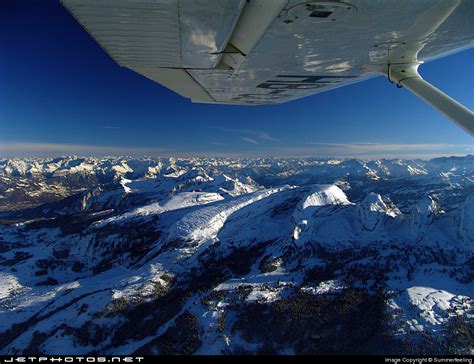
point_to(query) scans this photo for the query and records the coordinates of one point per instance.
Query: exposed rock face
(466, 225)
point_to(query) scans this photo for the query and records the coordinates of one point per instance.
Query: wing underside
(270, 51)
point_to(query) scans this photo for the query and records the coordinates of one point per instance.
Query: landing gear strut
(406, 75)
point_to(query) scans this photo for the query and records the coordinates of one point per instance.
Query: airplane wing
(272, 51)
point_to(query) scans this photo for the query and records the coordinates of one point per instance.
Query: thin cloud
(23, 149)
(355, 148)
(365, 150)
(249, 140)
(255, 134)
(267, 137)
(110, 127)
(337, 150)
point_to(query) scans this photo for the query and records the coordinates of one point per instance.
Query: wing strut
(407, 75)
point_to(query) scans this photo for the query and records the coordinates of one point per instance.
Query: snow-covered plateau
(236, 256)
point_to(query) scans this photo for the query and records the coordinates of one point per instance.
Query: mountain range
(236, 256)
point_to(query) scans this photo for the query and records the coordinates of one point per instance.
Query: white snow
(307, 209)
(331, 286)
(428, 300)
(204, 224)
(321, 195)
(9, 285)
(186, 199)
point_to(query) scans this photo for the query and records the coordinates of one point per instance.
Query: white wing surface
(272, 51)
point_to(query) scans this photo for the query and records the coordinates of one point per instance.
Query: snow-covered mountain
(31, 182)
(228, 256)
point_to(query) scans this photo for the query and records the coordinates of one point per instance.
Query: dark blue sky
(61, 94)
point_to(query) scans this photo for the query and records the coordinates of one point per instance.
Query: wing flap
(177, 80)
